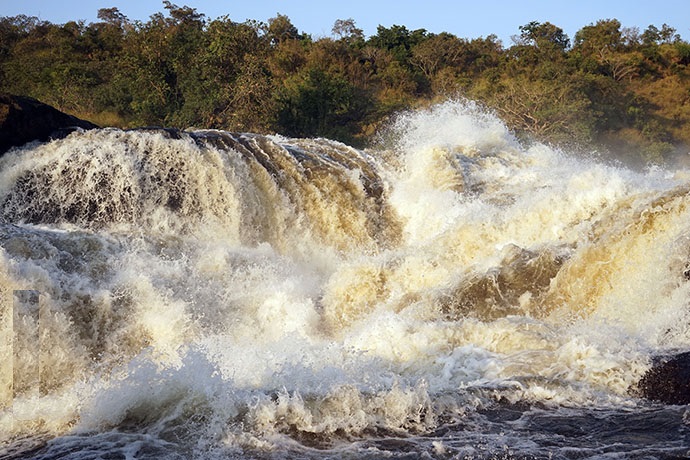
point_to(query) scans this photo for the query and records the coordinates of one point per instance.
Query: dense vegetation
(612, 86)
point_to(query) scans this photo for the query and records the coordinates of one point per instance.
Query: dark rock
(23, 119)
(668, 380)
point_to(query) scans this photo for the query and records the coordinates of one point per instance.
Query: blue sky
(466, 19)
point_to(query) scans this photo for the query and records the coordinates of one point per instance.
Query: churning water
(449, 294)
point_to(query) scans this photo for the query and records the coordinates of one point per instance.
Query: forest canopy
(614, 87)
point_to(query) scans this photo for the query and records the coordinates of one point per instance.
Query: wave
(207, 291)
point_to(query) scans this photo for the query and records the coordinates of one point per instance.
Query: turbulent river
(450, 293)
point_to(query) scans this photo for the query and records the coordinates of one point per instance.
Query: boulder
(23, 119)
(668, 380)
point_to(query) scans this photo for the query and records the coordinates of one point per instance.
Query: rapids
(448, 293)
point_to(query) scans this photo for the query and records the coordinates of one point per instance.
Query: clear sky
(465, 19)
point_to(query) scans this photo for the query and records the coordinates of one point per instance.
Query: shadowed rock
(23, 119)
(668, 380)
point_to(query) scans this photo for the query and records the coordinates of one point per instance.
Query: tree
(314, 103)
(544, 36)
(398, 40)
(234, 69)
(539, 50)
(552, 110)
(436, 52)
(13, 30)
(251, 107)
(112, 16)
(667, 34)
(346, 30)
(605, 34)
(601, 48)
(280, 29)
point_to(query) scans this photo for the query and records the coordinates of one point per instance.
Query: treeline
(618, 87)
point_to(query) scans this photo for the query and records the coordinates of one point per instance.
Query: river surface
(448, 293)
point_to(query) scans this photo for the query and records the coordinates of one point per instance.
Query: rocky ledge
(668, 380)
(23, 119)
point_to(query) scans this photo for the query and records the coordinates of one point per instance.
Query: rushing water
(449, 294)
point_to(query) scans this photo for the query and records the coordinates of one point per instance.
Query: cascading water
(450, 294)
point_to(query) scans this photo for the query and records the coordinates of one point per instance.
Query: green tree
(398, 40)
(314, 103)
(546, 37)
(540, 50)
(234, 64)
(654, 35)
(601, 48)
(161, 59)
(280, 29)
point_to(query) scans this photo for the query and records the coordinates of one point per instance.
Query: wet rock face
(668, 380)
(23, 119)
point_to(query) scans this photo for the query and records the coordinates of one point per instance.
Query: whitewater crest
(254, 188)
(173, 293)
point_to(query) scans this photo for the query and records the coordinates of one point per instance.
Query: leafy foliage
(610, 85)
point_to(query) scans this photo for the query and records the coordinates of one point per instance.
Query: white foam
(266, 312)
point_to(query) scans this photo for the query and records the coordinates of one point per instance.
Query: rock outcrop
(23, 119)
(668, 380)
